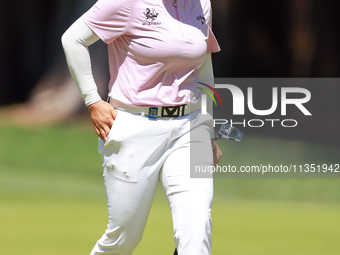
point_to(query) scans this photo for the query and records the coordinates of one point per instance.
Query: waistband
(158, 111)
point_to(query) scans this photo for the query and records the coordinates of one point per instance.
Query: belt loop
(143, 112)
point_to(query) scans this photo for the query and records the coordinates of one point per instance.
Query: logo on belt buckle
(171, 111)
(153, 113)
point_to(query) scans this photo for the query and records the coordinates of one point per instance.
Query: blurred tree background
(259, 38)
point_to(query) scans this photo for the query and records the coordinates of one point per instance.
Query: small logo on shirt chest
(150, 16)
(201, 18)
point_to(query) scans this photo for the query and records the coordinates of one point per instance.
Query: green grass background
(52, 198)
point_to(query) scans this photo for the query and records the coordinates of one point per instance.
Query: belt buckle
(153, 112)
(172, 111)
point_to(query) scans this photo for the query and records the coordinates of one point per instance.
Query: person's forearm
(75, 42)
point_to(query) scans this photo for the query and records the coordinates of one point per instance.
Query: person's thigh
(190, 199)
(132, 157)
(129, 205)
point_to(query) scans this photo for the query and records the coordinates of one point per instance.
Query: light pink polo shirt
(154, 48)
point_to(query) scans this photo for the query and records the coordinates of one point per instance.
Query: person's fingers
(217, 152)
(108, 125)
(99, 130)
(102, 130)
(106, 130)
(103, 116)
(104, 135)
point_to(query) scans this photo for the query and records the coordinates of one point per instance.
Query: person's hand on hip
(103, 115)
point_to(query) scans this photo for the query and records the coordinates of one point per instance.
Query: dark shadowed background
(259, 38)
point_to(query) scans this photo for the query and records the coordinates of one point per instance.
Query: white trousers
(136, 155)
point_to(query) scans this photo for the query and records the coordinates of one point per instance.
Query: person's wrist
(94, 104)
(91, 98)
(213, 143)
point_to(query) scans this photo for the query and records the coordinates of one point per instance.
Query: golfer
(159, 55)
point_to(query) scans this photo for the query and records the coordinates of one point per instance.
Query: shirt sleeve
(108, 18)
(213, 45)
(75, 42)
